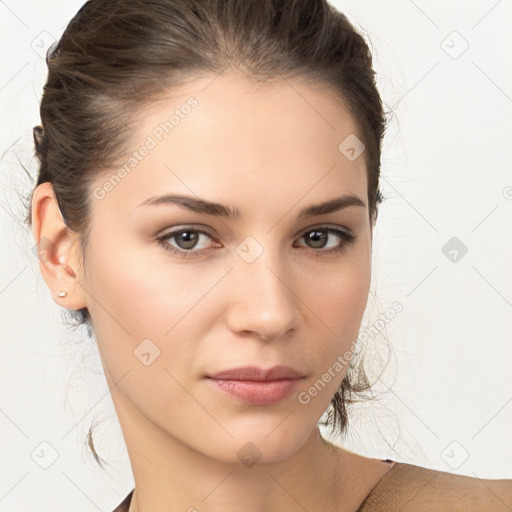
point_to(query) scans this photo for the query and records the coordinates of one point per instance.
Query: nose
(263, 302)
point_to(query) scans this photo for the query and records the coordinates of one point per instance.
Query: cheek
(140, 291)
(339, 310)
(341, 302)
(141, 324)
(139, 298)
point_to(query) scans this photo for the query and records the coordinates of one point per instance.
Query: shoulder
(416, 489)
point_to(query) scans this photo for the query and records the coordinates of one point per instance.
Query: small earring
(62, 293)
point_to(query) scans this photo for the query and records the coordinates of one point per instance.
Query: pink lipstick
(255, 386)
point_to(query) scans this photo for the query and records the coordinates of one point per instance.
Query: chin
(266, 444)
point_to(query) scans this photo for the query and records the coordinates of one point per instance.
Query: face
(177, 295)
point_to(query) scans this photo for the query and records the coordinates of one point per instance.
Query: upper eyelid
(325, 225)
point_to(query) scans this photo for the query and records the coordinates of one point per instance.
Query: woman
(208, 190)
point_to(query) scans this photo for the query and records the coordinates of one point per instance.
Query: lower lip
(255, 392)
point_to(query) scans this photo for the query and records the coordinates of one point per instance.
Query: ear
(58, 249)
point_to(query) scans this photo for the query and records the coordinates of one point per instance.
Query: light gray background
(446, 173)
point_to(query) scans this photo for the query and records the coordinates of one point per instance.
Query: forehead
(277, 138)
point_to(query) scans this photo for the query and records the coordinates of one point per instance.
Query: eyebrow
(219, 210)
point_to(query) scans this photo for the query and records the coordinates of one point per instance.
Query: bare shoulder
(412, 488)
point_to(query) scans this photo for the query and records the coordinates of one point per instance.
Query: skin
(270, 150)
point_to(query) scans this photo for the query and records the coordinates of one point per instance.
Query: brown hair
(117, 55)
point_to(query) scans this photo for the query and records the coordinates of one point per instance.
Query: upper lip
(258, 374)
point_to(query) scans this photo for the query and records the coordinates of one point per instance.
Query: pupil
(189, 238)
(314, 238)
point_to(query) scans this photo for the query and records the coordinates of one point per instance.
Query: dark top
(125, 504)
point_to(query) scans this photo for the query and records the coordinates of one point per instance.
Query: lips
(255, 373)
(255, 386)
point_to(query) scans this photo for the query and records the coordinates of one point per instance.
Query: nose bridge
(263, 300)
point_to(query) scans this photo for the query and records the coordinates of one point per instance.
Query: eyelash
(347, 237)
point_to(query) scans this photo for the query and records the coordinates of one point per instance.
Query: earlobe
(56, 249)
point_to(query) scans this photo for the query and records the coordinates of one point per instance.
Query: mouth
(255, 386)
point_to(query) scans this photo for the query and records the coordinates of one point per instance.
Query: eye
(319, 236)
(187, 239)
